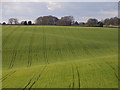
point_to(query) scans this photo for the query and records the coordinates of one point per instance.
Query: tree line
(66, 21)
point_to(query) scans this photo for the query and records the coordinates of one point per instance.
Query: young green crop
(59, 57)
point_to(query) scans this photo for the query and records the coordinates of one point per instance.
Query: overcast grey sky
(81, 11)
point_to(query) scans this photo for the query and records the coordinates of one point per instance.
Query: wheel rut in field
(14, 52)
(7, 75)
(73, 77)
(78, 75)
(116, 75)
(58, 50)
(34, 79)
(30, 50)
(45, 47)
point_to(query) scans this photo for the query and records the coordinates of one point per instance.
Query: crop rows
(34, 79)
(30, 50)
(7, 75)
(8, 36)
(15, 50)
(45, 47)
(113, 68)
(59, 57)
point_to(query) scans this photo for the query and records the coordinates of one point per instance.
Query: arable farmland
(59, 57)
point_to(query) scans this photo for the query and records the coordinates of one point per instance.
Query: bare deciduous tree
(29, 22)
(66, 21)
(112, 21)
(3, 23)
(13, 21)
(92, 22)
(46, 20)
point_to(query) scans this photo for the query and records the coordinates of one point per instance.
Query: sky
(59, 0)
(81, 11)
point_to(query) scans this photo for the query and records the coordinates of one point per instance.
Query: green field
(59, 57)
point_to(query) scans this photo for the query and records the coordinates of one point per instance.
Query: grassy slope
(52, 57)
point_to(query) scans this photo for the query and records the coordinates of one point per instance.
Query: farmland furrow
(69, 85)
(116, 75)
(65, 40)
(32, 82)
(7, 75)
(45, 47)
(37, 78)
(50, 80)
(29, 82)
(43, 80)
(70, 47)
(84, 46)
(73, 77)
(78, 74)
(59, 57)
(38, 56)
(115, 72)
(15, 50)
(30, 50)
(8, 36)
(58, 50)
(110, 66)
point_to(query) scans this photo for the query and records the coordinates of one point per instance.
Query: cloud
(21, 11)
(60, 1)
(80, 11)
(20, 0)
(52, 6)
(110, 13)
(16, 9)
